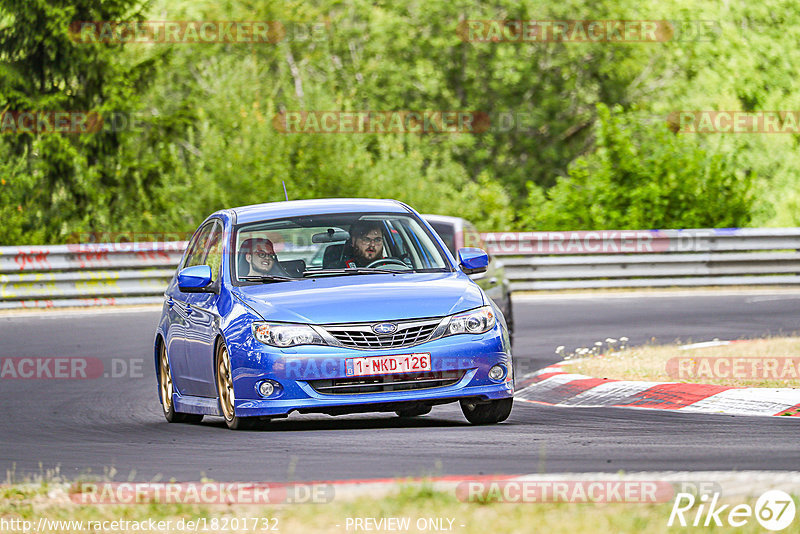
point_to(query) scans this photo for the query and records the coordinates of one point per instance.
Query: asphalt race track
(92, 425)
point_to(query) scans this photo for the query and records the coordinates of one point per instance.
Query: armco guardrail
(86, 274)
(131, 273)
(648, 258)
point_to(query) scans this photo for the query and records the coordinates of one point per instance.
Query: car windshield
(334, 245)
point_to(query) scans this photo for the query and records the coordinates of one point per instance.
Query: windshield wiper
(352, 270)
(268, 278)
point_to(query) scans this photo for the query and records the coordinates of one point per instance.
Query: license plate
(386, 365)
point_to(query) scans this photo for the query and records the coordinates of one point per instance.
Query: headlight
(286, 335)
(474, 322)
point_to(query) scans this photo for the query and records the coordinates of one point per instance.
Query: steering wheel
(386, 261)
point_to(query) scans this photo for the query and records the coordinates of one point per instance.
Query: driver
(365, 244)
(260, 256)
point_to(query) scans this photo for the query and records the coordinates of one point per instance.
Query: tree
(86, 181)
(644, 176)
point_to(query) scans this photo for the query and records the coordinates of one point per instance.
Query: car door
(178, 302)
(175, 332)
(202, 321)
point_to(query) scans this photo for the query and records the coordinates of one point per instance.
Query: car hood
(363, 298)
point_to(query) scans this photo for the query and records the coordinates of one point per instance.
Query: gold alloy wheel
(225, 383)
(166, 379)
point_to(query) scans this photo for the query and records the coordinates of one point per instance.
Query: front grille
(380, 384)
(361, 336)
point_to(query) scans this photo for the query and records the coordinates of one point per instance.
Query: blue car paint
(293, 369)
(196, 277)
(369, 298)
(473, 258)
(192, 324)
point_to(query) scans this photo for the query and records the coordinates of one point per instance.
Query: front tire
(487, 413)
(165, 388)
(227, 399)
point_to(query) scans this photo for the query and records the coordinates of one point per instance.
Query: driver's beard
(362, 260)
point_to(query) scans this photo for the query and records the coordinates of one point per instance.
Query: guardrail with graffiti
(137, 273)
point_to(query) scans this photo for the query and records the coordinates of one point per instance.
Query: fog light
(497, 372)
(266, 388)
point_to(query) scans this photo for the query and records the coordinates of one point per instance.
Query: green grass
(415, 502)
(660, 363)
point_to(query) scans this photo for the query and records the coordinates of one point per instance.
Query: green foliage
(111, 179)
(17, 202)
(238, 157)
(644, 176)
(580, 152)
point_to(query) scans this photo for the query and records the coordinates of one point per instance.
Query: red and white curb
(730, 483)
(663, 485)
(555, 386)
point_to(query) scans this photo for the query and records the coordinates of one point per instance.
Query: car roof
(292, 208)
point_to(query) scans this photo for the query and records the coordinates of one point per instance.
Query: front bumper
(297, 368)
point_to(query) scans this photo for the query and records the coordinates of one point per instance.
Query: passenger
(261, 258)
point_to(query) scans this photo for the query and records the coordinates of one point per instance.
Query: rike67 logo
(774, 510)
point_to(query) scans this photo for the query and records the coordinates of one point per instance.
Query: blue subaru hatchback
(255, 327)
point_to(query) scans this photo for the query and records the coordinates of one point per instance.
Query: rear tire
(414, 412)
(488, 413)
(165, 388)
(225, 395)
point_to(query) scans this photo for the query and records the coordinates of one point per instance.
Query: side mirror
(195, 279)
(473, 260)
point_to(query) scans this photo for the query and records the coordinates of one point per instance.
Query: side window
(206, 249)
(197, 247)
(393, 241)
(214, 251)
(447, 234)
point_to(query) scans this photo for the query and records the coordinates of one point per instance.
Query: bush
(644, 176)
